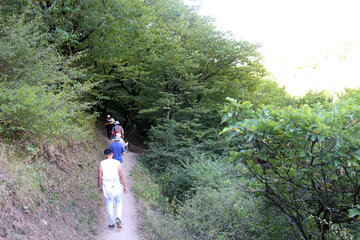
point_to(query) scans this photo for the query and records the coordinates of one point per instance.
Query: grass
(157, 222)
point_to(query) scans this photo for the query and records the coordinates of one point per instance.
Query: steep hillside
(49, 193)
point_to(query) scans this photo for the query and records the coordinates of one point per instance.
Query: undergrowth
(224, 212)
(157, 222)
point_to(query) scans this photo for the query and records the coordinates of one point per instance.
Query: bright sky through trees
(308, 44)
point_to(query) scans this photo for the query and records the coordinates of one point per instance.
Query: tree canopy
(305, 160)
(165, 73)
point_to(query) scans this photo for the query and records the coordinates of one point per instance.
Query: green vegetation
(39, 92)
(44, 122)
(305, 161)
(284, 167)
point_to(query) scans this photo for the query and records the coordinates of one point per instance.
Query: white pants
(110, 208)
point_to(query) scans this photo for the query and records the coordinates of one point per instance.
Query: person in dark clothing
(109, 123)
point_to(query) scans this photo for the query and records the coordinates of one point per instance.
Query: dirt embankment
(49, 193)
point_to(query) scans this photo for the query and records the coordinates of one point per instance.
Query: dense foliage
(165, 72)
(305, 160)
(44, 112)
(39, 92)
(155, 60)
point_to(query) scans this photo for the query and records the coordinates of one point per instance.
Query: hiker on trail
(118, 129)
(117, 148)
(122, 141)
(109, 177)
(109, 123)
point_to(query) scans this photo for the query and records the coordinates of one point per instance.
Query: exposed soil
(130, 224)
(63, 203)
(52, 195)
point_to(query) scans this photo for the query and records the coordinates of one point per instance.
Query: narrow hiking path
(129, 230)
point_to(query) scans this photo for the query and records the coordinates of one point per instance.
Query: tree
(306, 160)
(41, 95)
(269, 93)
(312, 98)
(154, 60)
(164, 62)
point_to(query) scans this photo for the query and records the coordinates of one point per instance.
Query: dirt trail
(129, 230)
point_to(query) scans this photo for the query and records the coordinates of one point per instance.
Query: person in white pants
(109, 185)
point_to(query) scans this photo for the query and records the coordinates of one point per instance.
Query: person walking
(109, 177)
(109, 125)
(117, 148)
(121, 140)
(118, 129)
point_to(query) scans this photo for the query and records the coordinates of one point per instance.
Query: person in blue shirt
(118, 149)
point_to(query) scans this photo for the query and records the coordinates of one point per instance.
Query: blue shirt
(118, 150)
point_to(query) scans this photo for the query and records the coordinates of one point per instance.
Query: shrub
(34, 112)
(306, 161)
(227, 211)
(40, 91)
(181, 182)
(230, 213)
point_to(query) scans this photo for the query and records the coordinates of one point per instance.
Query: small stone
(43, 222)
(2, 232)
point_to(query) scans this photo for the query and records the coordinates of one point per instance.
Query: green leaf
(354, 212)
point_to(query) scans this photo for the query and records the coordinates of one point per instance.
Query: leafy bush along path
(129, 217)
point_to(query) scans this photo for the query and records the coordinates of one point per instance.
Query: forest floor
(130, 220)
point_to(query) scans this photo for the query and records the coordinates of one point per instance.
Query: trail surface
(129, 230)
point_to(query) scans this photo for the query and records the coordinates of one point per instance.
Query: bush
(182, 163)
(306, 161)
(40, 91)
(227, 213)
(181, 183)
(31, 111)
